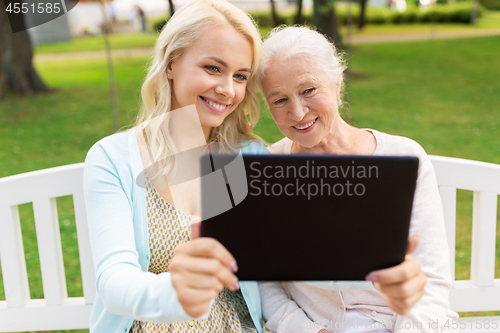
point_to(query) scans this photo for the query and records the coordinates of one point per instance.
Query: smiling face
(302, 99)
(212, 74)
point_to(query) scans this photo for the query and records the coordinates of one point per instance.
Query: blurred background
(425, 69)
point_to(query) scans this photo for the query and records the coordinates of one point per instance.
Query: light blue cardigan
(118, 225)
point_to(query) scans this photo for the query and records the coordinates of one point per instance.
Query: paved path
(364, 39)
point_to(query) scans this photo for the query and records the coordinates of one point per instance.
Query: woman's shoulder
(389, 144)
(113, 146)
(254, 147)
(283, 146)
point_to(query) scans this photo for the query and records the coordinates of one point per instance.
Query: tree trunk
(275, 16)
(325, 20)
(16, 59)
(474, 14)
(362, 14)
(298, 18)
(172, 8)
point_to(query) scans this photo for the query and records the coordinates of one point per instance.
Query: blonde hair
(285, 42)
(181, 31)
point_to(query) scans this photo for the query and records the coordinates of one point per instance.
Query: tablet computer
(309, 217)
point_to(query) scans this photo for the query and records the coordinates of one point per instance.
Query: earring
(168, 74)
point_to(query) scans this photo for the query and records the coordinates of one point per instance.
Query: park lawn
(491, 19)
(96, 43)
(442, 93)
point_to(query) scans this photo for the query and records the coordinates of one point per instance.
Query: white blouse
(311, 308)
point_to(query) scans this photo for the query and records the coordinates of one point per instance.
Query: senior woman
(301, 79)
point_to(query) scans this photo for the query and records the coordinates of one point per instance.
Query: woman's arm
(121, 284)
(281, 313)
(432, 252)
(402, 285)
(200, 270)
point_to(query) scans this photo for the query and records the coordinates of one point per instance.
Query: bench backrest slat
(56, 310)
(449, 199)
(50, 251)
(484, 238)
(15, 276)
(41, 184)
(478, 293)
(86, 262)
(466, 174)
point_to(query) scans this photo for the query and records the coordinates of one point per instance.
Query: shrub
(462, 14)
(307, 17)
(486, 4)
(398, 17)
(378, 15)
(459, 12)
(490, 4)
(342, 17)
(159, 24)
(263, 18)
(412, 15)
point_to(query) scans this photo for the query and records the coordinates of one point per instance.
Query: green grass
(74, 117)
(491, 19)
(96, 43)
(442, 93)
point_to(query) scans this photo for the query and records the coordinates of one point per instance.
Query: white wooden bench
(57, 311)
(482, 291)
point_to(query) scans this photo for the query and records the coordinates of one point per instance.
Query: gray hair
(285, 42)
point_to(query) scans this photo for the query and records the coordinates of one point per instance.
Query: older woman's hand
(200, 269)
(403, 285)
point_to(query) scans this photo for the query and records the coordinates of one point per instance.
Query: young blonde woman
(150, 275)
